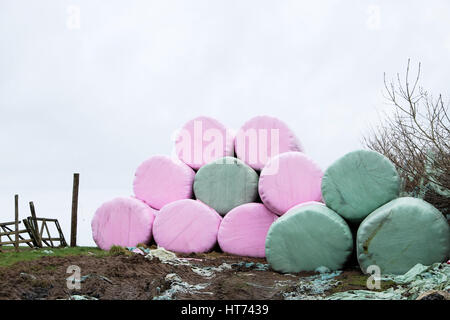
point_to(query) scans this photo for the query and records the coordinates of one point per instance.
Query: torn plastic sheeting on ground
(84, 278)
(209, 272)
(165, 256)
(142, 251)
(171, 258)
(177, 285)
(25, 275)
(81, 297)
(252, 265)
(139, 250)
(417, 280)
(313, 287)
(422, 278)
(162, 254)
(322, 269)
(389, 294)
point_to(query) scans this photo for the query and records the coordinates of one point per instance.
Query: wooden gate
(37, 230)
(8, 232)
(41, 233)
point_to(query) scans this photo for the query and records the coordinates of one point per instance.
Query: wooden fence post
(16, 220)
(36, 227)
(73, 231)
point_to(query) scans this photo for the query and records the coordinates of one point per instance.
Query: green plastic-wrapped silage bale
(307, 237)
(402, 233)
(225, 184)
(358, 183)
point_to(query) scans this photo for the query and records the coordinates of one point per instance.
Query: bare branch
(416, 138)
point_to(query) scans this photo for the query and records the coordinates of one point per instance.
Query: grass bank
(9, 256)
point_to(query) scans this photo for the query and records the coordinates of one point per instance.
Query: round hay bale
(161, 180)
(402, 233)
(186, 226)
(225, 184)
(302, 205)
(308, 237)
(358, 183)
(289, 179)
(244, 229)
(124, 222)
(202, 140)
(263, 137)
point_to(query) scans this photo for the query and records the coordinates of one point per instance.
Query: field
(120, 274)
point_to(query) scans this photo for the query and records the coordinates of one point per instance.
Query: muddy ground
(202, 276)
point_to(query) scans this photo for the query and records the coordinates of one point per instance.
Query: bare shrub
(416, 138)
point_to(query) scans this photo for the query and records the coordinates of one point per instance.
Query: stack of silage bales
(394, 233)
(258, 194)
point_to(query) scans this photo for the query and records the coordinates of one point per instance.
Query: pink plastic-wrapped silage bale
(186, 226)
(161, 180)
(123, 222)
(289, 179)
(202, 140)
(262, 138)
(244, 229)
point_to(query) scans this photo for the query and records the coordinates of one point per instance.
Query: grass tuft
(118, 251)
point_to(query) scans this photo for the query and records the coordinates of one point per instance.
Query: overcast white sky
(100, 96)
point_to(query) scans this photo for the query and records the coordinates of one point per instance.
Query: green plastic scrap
(313, 287)
(389, 294)
(425, 278)
(417, 280)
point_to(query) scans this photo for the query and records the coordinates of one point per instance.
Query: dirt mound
(200, 276)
